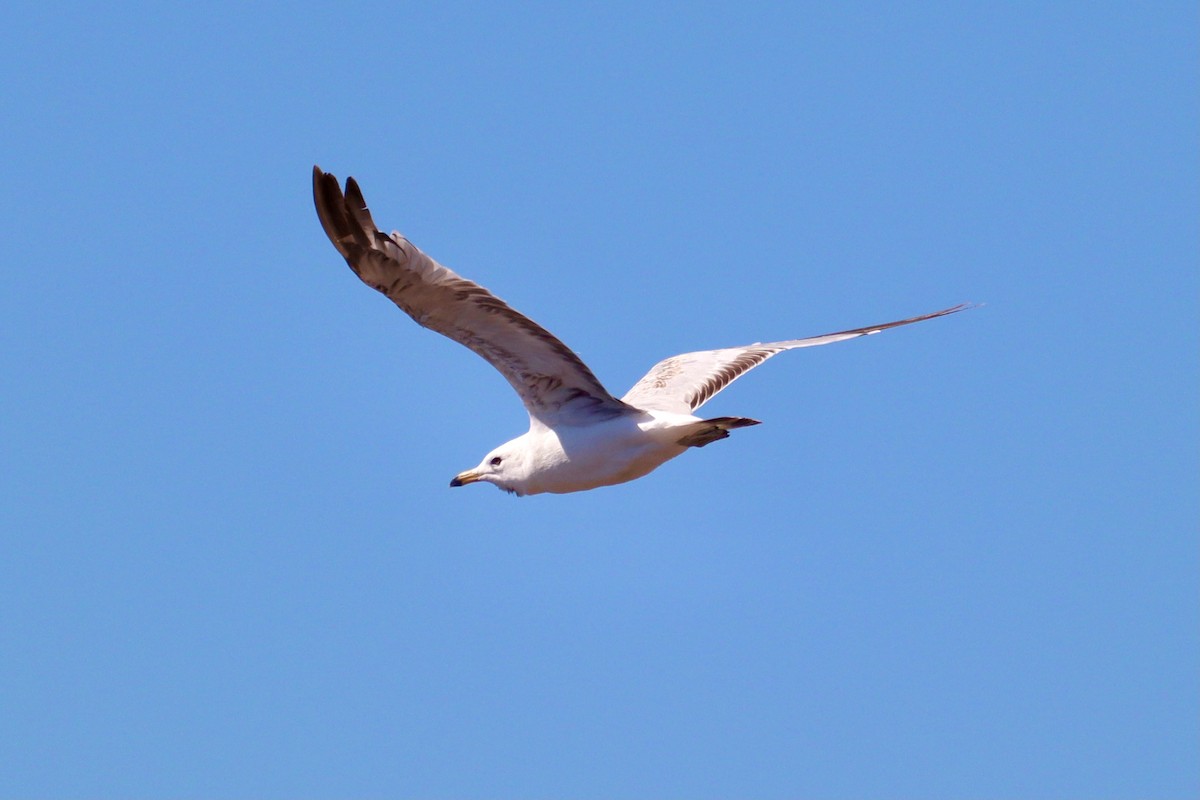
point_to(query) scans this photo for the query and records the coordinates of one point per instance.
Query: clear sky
(958, 560)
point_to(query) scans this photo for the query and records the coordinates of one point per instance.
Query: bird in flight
(580, 437)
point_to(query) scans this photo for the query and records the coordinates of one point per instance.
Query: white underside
(577, 458)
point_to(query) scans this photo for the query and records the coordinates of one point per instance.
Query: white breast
(575, 458)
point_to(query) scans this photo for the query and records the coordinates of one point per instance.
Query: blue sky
(959, 560)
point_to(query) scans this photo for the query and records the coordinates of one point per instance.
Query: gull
(580, 437)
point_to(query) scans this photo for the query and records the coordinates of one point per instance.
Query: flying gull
(580, 436)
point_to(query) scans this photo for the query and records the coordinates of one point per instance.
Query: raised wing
(685, 382)
(554, 384)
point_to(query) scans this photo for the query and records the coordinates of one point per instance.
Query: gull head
(507, 467)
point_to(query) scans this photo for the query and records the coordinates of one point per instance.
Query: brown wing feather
(554, 384)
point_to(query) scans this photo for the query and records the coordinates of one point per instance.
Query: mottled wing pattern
(554, 384)
(685, 382)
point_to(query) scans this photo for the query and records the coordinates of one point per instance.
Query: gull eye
(495, 462)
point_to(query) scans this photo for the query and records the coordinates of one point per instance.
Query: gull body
(574, 458)
(580, 436)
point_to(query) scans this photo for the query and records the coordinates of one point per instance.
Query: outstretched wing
(554, 384)
(685, 382)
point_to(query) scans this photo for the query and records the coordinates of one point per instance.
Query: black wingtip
(354, 195)
(327, 197)
(344, 215)
(321, 182)
(363, 228)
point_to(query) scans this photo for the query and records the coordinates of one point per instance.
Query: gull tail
(710, 430)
